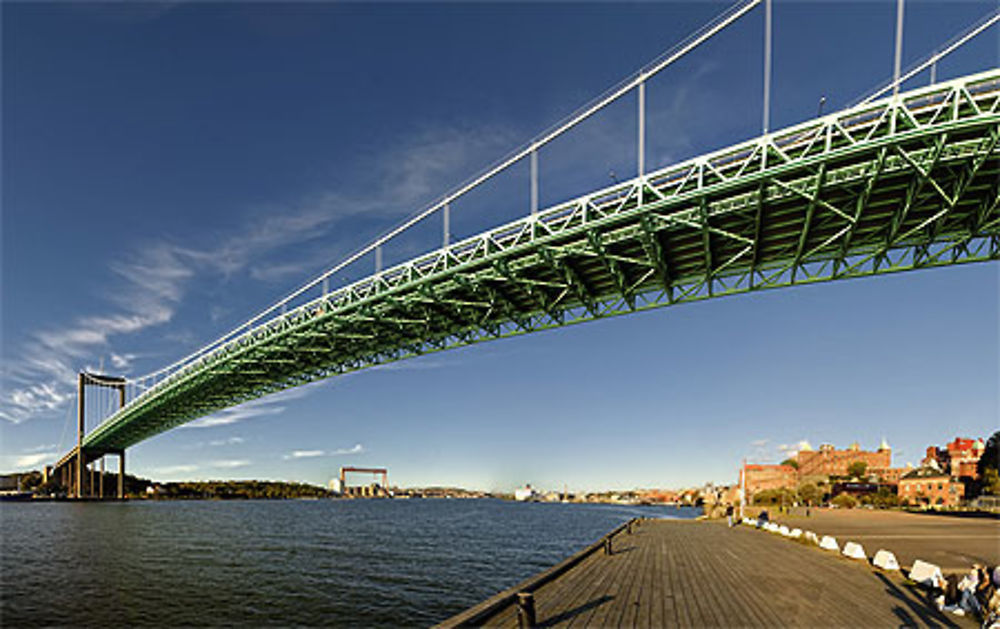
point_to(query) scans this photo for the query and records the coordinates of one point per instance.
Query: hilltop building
(891, 475)
(761, 477)
(942, 480)
(959, 458)
(828, 461)
(819, 465)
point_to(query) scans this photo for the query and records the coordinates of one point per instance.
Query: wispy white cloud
(356, 449)
(41, 378)
(278, 272)
(156, 277)
(230, 416)
(215, 443)
(304, 454)
(271, 405)
(177, 469)
(384, 185)
(230, 463)
(122, 362)
(21, 403)
(790, 449)
(226, 442)
(765, 451)
(308, 454)
(48, 447)
(32, 460)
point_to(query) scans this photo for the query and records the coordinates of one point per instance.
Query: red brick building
(891, 475)
(828, 461)
(761, 477)
(958, 458)
(929, 487)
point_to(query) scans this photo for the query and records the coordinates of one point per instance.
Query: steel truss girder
(887, 187)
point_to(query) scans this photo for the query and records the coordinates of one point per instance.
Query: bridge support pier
(80, 392)
(121, 475)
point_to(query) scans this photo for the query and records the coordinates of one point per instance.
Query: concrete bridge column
(79, 435)
(121, 475)
(78, 475)
(121, 454)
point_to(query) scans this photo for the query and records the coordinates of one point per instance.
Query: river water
(326, 562)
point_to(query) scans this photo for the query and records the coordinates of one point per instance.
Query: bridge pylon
(74, 467)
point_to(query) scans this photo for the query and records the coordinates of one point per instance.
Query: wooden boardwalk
(703, 574)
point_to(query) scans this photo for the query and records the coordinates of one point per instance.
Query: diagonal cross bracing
(887, 186)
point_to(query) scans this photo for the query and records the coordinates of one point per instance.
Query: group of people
(731, 516)
(977, 592)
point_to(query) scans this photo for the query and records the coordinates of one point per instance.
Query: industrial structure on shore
(340, 487)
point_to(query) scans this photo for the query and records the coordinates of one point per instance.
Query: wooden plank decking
(687, 573)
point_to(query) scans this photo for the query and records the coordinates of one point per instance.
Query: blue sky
(170, 170)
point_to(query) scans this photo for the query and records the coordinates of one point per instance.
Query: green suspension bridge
(906, 182)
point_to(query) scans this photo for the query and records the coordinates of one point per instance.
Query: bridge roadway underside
(904, 184)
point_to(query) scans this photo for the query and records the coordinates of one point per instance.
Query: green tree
(791, 462)
(990, 461)
(857, 469)
(991, 481)
(845, 501)
(810, 494)
(774, 497)
(885, 498)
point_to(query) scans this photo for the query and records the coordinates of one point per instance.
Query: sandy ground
(950, 542)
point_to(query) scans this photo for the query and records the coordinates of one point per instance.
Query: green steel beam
(891, 186)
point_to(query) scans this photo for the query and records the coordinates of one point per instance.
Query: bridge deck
(682, 573)
(899, 184)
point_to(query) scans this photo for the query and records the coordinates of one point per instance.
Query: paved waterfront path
(953, 543)
(694, 573)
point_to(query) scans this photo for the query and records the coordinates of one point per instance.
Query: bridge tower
(73, 467)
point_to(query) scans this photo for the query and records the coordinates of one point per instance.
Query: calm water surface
(359, 563)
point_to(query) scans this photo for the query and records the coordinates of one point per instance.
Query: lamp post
(743, 486)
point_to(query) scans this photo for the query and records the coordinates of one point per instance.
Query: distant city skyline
(173, 169)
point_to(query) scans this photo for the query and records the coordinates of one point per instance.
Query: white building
(525, 493)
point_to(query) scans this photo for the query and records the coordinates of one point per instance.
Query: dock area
(951, 542)
(702, 573)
